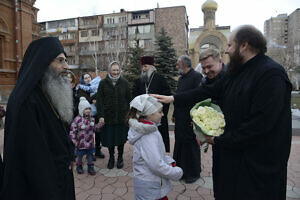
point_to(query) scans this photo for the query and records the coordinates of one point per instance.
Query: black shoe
(191, 179)
(91, 170)
(111, 163)
(79, 169)
(120, 163)
(99, 154)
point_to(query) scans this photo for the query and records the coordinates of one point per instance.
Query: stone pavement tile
(130, 189)
(204, 192)
(182, 197)
(82, 196)
(128, 196)
(108, 196)
(179, 188)
(119, 184)
(120, 191)
(111, 180)
(108, 189)
(100, 179)
(94, 197)
(191, 186)
(173, 195)
(198, 198)
(205, 173)
(94, 191)
(124, 179)
(206, 197)
(191, 193)
(297, 190)
(290, 182)
(88, 185)
(78, 190)
(101, 184)
(129, 183)
(292, 194)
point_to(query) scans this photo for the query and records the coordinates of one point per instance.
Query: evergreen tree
(165, 58)
(133, 69)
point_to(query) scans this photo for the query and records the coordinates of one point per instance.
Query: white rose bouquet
(208, 119)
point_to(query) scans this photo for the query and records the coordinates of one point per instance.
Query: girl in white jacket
(152, 168)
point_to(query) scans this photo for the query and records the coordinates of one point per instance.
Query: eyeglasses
(61, 60)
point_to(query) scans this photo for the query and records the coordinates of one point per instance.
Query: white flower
(209, 120)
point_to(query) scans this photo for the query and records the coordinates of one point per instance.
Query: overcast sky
(230, 12)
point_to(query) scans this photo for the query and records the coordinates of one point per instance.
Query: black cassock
(37, 149)
(158, 85)
(186, 149)
(255, 147)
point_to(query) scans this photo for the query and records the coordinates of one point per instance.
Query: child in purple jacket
(82, 133)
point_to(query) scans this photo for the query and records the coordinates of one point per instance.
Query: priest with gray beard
(150, 82)
(38, 153)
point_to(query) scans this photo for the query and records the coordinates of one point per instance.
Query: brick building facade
(18, 27)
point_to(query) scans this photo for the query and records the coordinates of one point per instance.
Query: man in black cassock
(186, 149)
(255, 97)
(151, 82)
(213, 69)
(38, 153)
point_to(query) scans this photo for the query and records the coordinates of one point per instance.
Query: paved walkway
(118, 184)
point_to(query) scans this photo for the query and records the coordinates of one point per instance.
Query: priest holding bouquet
(254, 96)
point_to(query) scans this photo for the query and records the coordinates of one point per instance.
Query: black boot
(120, 162)
(111, 161)
(79, 169)
(91, 169)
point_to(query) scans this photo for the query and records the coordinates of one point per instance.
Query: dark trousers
(97, 141)
(112, 151)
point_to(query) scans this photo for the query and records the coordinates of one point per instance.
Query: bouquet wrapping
(208, 119)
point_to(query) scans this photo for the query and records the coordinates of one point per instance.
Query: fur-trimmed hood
(139, 129)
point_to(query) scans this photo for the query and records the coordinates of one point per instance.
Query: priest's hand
(163, 98)
(209, 139)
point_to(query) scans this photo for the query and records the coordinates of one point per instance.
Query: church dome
(209, 5)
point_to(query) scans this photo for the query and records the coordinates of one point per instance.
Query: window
(110, 20)
(71, 60)
(83, 34)
(122, 44)
(131, 30)
(112, 44)
(95, 32)
(71, 36)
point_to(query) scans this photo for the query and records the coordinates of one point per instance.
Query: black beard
(236, 62)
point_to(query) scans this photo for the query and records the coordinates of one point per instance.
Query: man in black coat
(255, 97)
(186, 149)
(38, 153)
(214, 69)
(151, 82)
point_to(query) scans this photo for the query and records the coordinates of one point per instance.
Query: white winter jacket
(151, 166)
